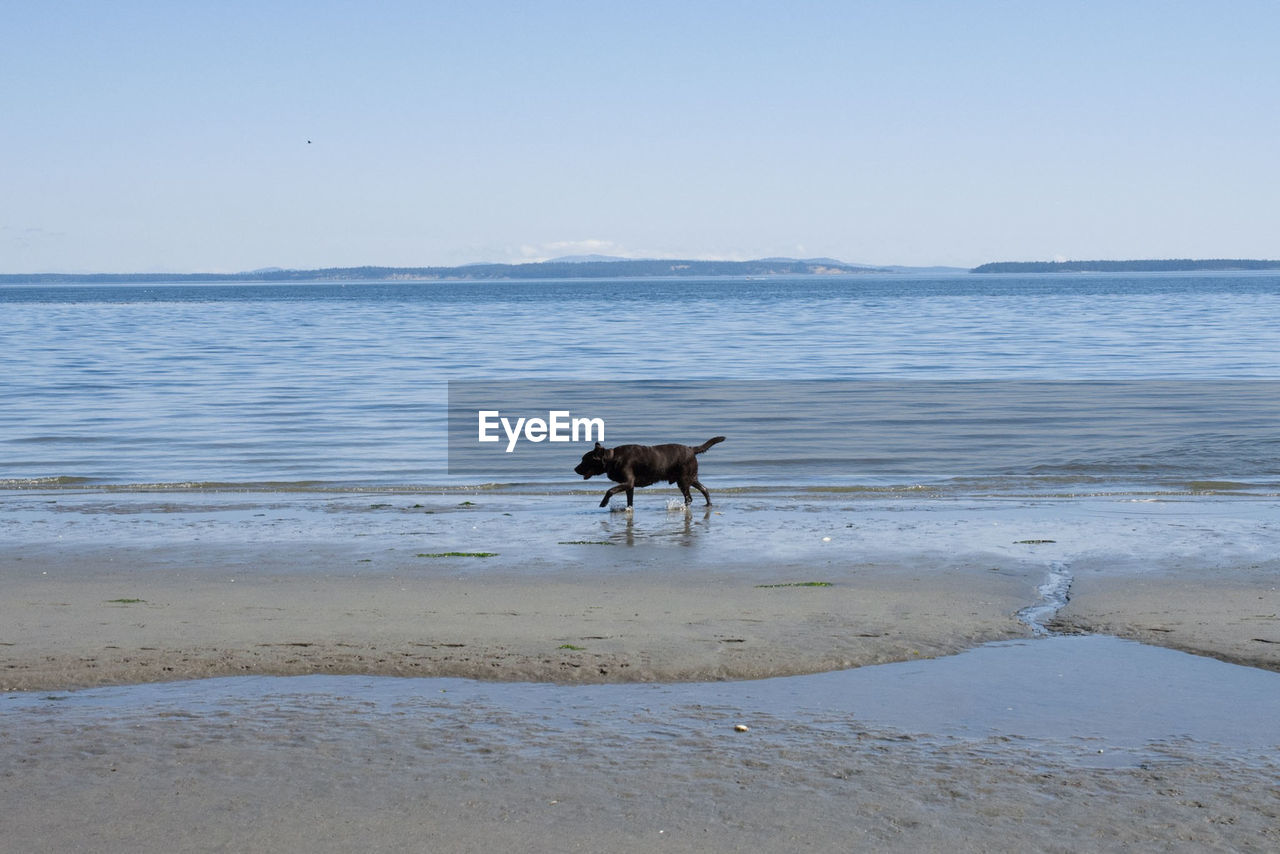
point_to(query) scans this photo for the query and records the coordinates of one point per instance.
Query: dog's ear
(599, 447)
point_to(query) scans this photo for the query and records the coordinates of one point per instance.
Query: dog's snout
(588, 467)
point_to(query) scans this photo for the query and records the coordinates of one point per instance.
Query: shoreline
(112, 588)
(88, 629)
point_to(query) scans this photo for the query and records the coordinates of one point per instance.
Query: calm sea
(326, 386)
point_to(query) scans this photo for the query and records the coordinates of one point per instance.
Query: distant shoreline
(1174, 265)
(626, 268)
(471, 272)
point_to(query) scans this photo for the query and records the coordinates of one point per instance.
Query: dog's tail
(707, 444)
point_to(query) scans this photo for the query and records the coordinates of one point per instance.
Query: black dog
(643, 465)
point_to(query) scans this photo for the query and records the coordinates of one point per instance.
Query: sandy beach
(758, 589)
(1234, 616)
(327, 777)
(111, 589)
(66, 628)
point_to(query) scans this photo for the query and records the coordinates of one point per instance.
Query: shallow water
(1091, 701)
(763, 535)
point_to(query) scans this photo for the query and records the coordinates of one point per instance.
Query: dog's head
(594, 461)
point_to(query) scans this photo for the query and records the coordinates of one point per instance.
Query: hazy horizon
(146, 137)
(574, 259)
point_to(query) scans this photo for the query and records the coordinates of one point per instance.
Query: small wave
(1230, 486)
(301, 486)
(43, 482)
(994, 487)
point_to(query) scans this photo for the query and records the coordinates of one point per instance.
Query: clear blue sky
(164, 136)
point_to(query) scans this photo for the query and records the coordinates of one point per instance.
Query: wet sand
(345, 586)
(291, 791)
(64, 628)
(1233, 615)
(108, 589)
(456, 765)
(68, 628)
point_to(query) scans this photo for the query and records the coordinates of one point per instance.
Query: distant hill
(829, 262)
(584, 269)
(1173, 265)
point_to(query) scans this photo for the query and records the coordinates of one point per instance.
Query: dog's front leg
(630, 488)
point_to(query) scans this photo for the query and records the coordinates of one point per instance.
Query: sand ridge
(87, 631)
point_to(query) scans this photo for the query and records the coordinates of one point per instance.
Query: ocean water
(1062, 384)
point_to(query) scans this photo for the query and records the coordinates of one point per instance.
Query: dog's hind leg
(684, 488)
(702, 489)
